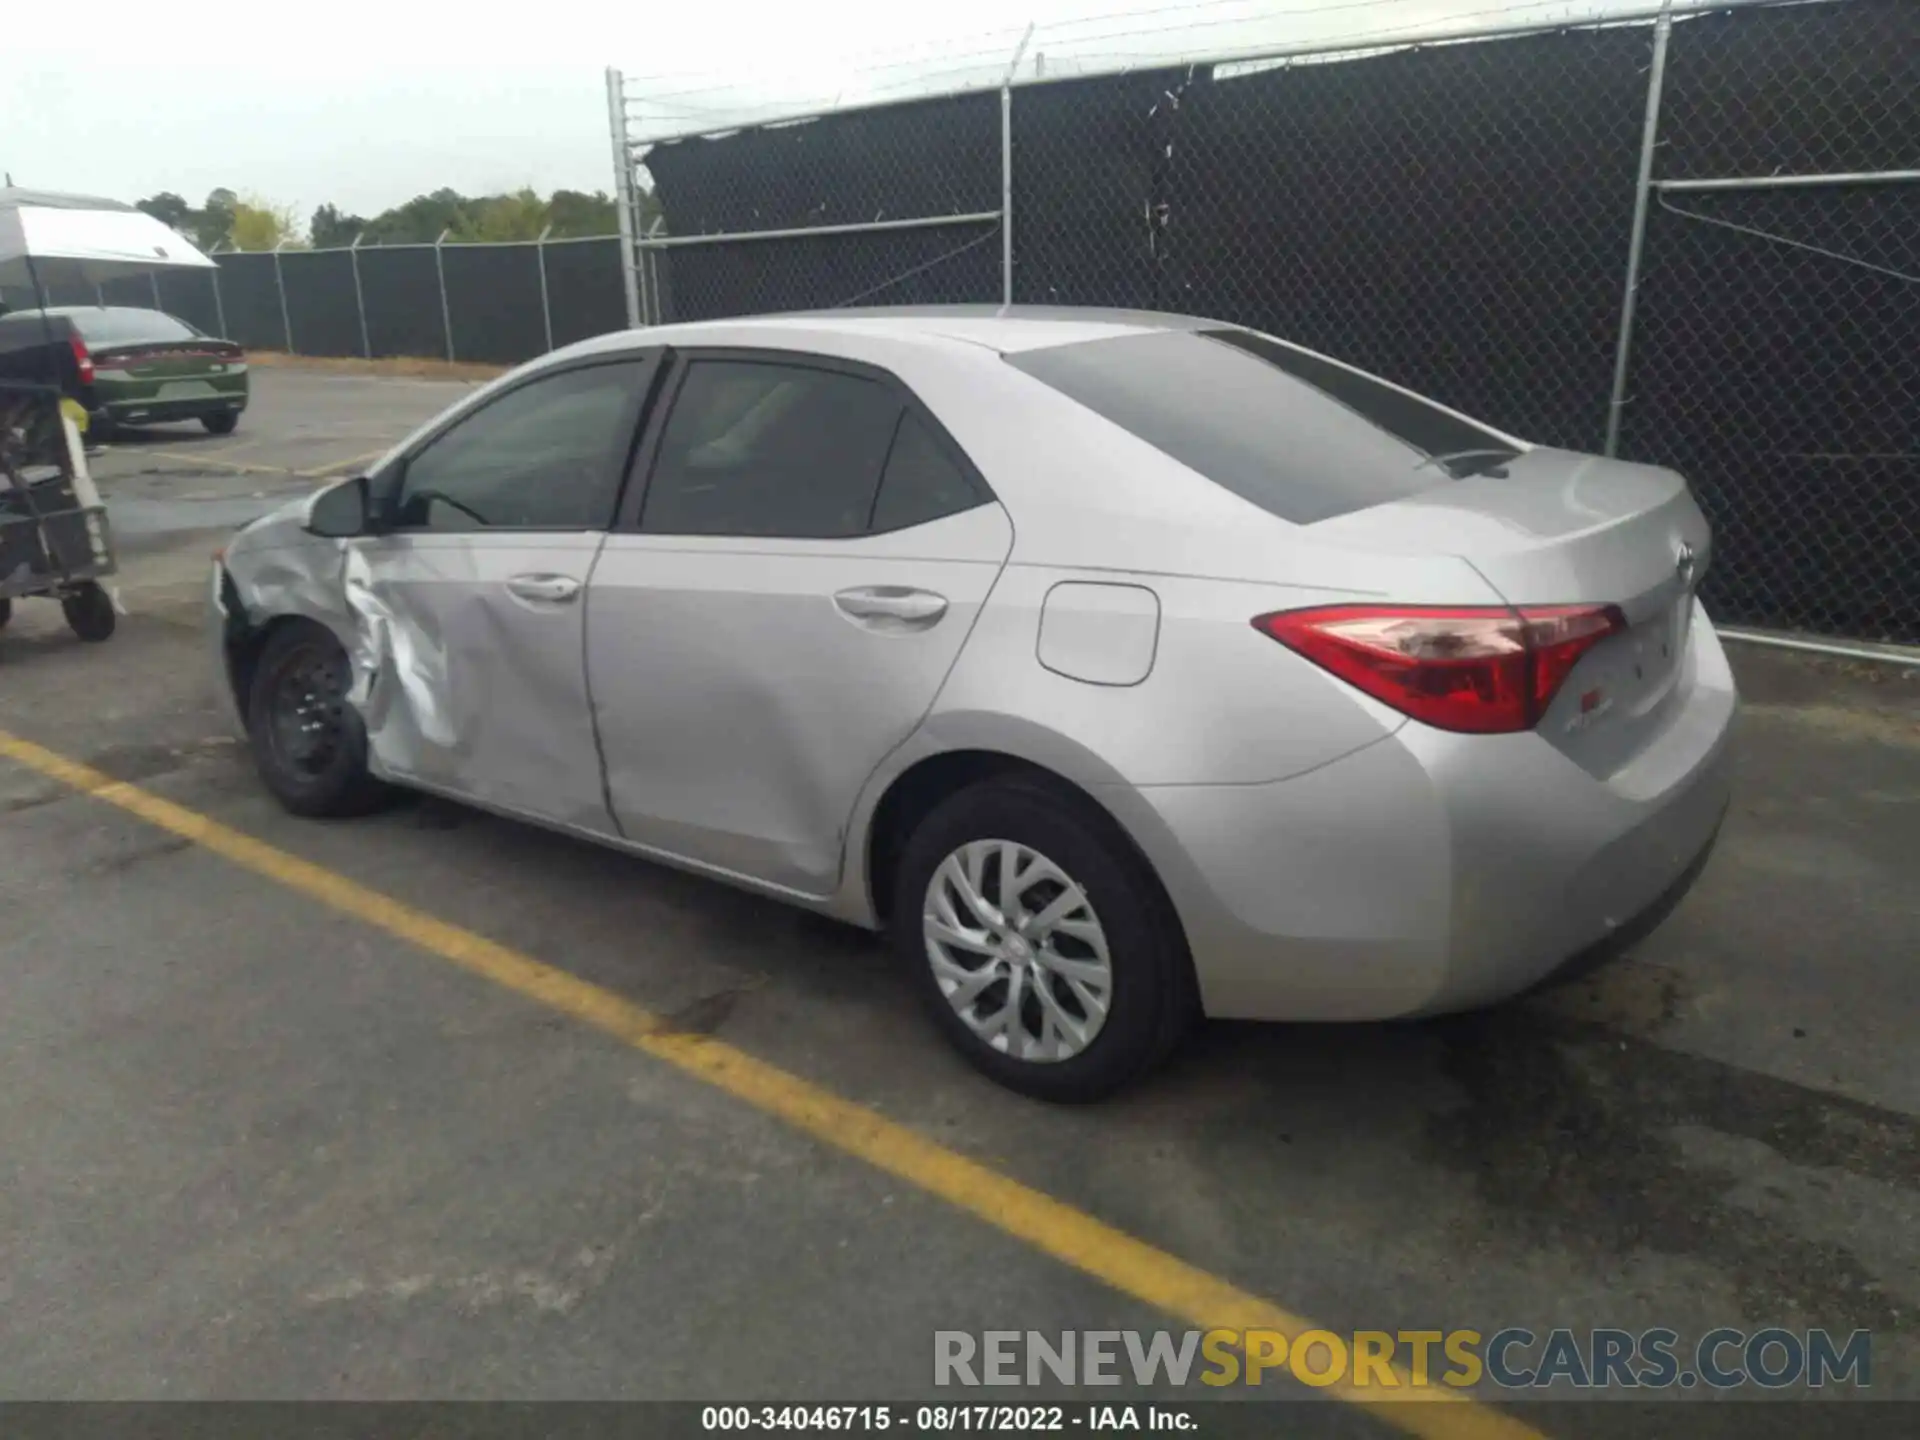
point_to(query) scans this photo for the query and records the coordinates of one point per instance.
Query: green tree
(420, 220)
(214, 225)
(169, 209)
(519, 216)
(575, 214)
(260, 224)
(330, 229)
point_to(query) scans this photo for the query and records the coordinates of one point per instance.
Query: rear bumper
(159, 412)
(1431, 872)
(133, 402)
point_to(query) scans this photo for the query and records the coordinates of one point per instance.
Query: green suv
(127, 366)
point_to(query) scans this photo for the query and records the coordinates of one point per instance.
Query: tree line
(253, 222)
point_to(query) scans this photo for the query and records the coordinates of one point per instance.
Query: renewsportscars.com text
(1513, 1359)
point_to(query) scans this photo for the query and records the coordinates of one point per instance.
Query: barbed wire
(701, 105)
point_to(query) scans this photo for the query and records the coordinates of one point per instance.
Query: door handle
(891, 606)
(553, 589)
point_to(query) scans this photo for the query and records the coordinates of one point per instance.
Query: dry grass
(418, 367)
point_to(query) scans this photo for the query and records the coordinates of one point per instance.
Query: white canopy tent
(48, 239)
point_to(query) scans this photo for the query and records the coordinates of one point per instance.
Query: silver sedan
(1121, 667)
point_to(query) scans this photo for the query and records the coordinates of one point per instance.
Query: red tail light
(81, 359)
(1480, 669)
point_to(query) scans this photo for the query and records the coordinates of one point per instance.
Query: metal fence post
(623, 192)
(1643, 188)
(219, 304)
(546, 309)
(359, 298)
(153, 279)
(1006, 168)
(280, 284)
(440, 269)
(644, 265)
(653, 272)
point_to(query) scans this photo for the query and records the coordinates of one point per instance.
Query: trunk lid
(170, 359)
(1552, 527)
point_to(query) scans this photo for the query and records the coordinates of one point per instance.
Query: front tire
(308, 742)
(223, 423)
(1040, 941)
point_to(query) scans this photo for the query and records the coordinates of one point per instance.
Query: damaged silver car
(1121, 667)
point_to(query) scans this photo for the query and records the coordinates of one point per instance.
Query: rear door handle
(553, 589)
(891, 607)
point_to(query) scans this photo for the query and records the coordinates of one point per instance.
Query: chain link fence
(492, 303)
(898, 205)
(1691, 237)
(1776, 357)
(1465, 215)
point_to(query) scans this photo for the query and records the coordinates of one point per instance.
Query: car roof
(1005, 329)
(104, 310)
(69, 311)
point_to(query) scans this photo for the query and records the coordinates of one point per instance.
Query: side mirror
(343, 511)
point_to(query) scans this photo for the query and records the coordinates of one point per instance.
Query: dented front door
(477, 684)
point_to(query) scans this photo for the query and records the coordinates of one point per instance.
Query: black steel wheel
(308, 742)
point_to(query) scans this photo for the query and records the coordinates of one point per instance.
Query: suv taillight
(81, 359)
(1484, 670)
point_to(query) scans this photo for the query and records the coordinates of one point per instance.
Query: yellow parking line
(196, 462)
(239, 447)
(1127, 1264)
(321, 471)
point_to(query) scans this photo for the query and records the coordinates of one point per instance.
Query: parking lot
(434, 1104)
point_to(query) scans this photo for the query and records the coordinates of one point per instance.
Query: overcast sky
(365, 103)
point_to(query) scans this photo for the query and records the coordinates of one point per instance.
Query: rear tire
(1121, 920)
(225, 423)
(308, 741)
(89, 611)
(6, 611)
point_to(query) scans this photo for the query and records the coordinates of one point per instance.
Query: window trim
(390, 489)
(677, 361)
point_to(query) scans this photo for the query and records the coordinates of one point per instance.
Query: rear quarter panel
(1221, 705)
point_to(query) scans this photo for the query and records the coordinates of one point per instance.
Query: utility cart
(54, 540)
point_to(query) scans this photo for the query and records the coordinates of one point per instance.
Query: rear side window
(130, 327)
(1298, 436)
(922, 481)
(756, 448)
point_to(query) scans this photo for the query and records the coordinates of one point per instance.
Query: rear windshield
(1299, 436)
(129, 327)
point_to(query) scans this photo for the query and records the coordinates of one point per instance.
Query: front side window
(545, 456)
(764, 448)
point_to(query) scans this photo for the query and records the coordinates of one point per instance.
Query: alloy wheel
(1017, 950)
